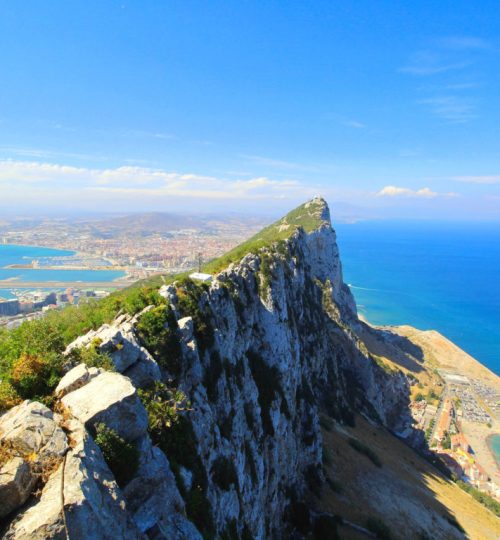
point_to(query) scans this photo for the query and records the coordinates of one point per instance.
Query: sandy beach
(478, 439)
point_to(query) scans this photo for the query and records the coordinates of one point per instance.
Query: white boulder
(76, 378)
(109, 398)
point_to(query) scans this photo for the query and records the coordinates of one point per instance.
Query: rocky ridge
(258, 355)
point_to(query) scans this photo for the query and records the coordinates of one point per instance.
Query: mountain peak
(309, 216)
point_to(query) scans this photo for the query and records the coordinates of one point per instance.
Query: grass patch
(483, 498)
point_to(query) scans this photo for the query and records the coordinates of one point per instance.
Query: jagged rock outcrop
(259, 353)
(77, 377)
(120, 342)
(34, 443)
(111, 399)
(80, 500)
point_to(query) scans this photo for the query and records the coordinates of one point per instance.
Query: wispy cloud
(453, 109)
(461, 43)
(426, 63)
(136, 182)
(487, 179)
(353, 124)
(43, 153)
(425, 193)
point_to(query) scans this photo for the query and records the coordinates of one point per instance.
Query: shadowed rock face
(266, 347)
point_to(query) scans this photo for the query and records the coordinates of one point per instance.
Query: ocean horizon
(431, 275)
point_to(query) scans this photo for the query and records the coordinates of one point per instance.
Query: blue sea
(495, 447)
(441, 276)
(11, 254)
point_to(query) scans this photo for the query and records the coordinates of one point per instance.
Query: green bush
(33, 376)
(365, 450)
(121, 456)
(158, 331)
(171, 430)
(189, 295)
(8, 396)
(483, 498)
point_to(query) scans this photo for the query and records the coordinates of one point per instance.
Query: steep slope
(214, 422)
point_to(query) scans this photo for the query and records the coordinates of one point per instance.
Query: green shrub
(121, 456)
(483, 498)
(224, 473)
(92, 357)
(33, 376)
(365, 450)
(377, 526)
(157, 329)
(189, 295)
(8, 396)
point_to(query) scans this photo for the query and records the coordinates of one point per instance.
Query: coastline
(489, 443)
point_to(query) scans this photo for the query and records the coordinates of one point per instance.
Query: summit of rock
(310, 216)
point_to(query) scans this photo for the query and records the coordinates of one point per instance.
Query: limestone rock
(111, 399)
(29, 428)
(76, 378)
(118, 340)
(153, 498)
(16, 483)
(85, 490)
(145, 372)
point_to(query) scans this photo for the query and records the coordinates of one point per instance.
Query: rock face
(76, 378)
(34, 442)
(118, 340)
(16, 483)
(80, 500)
(111, 399)
(262, 350)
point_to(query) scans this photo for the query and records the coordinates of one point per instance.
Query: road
(63, 284)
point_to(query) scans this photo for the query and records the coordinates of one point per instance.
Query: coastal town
(113, 253)
(453, 429)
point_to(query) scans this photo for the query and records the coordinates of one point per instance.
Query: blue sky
(386, 108)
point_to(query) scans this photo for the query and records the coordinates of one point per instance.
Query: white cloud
(425, 193)
(492, 179)
(55, 181)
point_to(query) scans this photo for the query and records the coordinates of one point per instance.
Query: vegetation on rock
(121, 456)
